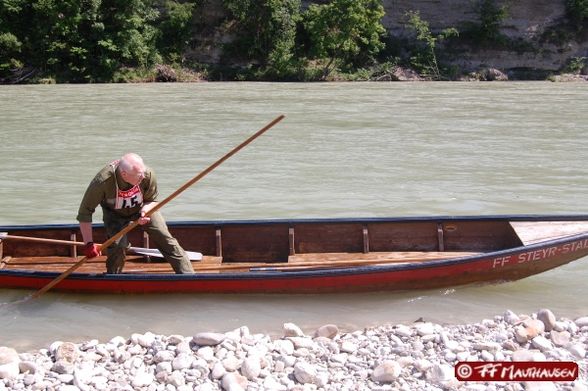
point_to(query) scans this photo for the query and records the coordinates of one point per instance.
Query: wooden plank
(4, 262)
(376, 256)
(537, 231)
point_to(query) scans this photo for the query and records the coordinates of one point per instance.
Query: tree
(175, 28)
(344, 32)
(427, 59)
(266, 31)
(77, 40)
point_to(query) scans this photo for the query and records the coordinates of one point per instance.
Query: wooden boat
(309, 255)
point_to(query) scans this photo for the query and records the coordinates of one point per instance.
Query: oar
(152, 252)
(158, 206)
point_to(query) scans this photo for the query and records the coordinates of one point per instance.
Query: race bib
(129, 198)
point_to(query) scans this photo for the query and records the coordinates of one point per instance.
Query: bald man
(126, 189)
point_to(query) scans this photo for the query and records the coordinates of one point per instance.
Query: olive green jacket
(103, 190)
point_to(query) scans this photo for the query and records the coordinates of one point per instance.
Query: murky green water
(344, 149)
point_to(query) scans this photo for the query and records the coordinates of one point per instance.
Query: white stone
(540, 386)
(403, 331)
(231, 363)
(302, 342)
(581, 322)
(348, 347)
(164, 355)
(182, 361)
(291, 330)
(9, 371)
(234, 381)
(146, 340)
(8, 355)
(164, 367)
(270, 383)
(560, 338)
(486, 355)
(422, 365)
(176, 379)
(117, 341)
(218, 370)
(424, 328)
(386, 372)
(576, 350)
(283, 346)
(527, 355)
(251, 368)
(541, 343)
(206, 353)
(439, 373)
(142, 379)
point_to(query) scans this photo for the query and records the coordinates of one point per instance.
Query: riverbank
(419, 356)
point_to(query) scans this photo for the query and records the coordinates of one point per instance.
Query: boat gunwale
(319, 220)
(300, 273)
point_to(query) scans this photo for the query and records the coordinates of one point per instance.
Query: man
(127, 189)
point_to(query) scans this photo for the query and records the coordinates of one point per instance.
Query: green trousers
(158, 233)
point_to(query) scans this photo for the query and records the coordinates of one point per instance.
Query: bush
(347, 33)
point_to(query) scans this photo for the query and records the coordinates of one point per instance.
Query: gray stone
(560, 338)
(511, 318)
(581, 322)
(548, 319)
(208, 339)
(304, 372)
(329, 331)
(67, 352)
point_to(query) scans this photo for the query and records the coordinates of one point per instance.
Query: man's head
(132, 168)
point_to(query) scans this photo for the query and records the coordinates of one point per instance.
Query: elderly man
(126, 190)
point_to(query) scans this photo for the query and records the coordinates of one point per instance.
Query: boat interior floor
(212, 264)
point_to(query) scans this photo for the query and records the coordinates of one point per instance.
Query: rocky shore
(419, 356)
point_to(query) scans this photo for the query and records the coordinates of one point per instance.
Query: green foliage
(491, 18)
(266, 32)
(175, 28)
(80, 41)
(576, 65)
(345, 33)
(486, 33)
(425, 59)
(577, 9)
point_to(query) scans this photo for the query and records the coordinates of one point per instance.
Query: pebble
(419, 356)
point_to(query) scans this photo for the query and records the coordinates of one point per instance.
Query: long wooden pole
(158, 206)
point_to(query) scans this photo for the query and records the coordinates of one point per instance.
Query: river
(343, 150)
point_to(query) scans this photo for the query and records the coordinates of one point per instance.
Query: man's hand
(144, 210)
(91, 250)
